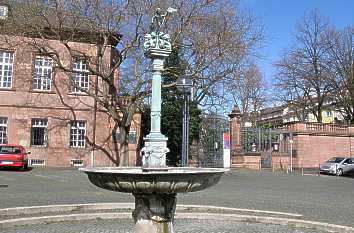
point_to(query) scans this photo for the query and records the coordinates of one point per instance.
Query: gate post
(235, 130)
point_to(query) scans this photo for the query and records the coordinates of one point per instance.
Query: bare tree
(213, 38)
(220, 52)
(341, 69)
(248, 91)
(302, 77)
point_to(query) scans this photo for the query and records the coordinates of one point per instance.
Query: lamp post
(214, 116)
(291, 141)
(184, 85)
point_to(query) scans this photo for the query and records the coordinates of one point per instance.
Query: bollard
(260, 166)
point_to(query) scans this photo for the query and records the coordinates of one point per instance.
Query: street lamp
(213, 115)
(215, 135)
(184, 85)
(291, 141)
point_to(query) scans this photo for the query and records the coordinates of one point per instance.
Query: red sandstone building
(51, 119)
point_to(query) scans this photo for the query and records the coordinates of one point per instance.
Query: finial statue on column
(157, 47)
(156, 38)
(159, 18)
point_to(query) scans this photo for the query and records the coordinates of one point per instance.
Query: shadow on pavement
(350, 175)
(16, 169)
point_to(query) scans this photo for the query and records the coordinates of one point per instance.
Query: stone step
(123, 208)
(217, 214)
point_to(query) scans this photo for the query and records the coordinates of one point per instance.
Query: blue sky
(280, 17)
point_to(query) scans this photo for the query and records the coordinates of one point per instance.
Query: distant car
(338, 166)
(13, 156)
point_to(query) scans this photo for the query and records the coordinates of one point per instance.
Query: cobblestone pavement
(181, 226)
(324, 198)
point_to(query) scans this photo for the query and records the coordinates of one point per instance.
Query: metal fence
(267, 142)
(259, 139)
(211, 140)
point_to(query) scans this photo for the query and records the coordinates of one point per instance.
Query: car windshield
(9, 150)
(335, 160)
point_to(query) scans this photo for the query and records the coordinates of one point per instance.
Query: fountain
(155, 185)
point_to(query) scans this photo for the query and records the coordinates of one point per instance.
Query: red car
(13, 156)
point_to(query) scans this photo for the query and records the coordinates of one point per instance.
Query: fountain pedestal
(154, 212)
(154, 151)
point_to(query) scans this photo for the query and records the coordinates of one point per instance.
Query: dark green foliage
(172, 125)
(171, 111)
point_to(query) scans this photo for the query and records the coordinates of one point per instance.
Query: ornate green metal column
(157, 47)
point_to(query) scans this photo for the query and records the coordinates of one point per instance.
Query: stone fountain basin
(153, 181)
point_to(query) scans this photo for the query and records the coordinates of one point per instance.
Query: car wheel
(339, 172)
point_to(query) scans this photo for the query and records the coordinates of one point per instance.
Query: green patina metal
(157, 47)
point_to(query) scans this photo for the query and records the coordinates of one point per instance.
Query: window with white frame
(131, 136)
(80, 79)
(39, 132)
(43, 73)
(6, 65)
(3, 130)
(3, 12)
(77, 134)
(329, 113)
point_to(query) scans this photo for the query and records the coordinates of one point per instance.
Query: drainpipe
(95, 105)
(94, 124)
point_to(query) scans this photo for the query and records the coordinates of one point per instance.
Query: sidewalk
(318, 198)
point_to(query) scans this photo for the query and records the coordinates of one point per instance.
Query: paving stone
(181, 226)
(326, 198)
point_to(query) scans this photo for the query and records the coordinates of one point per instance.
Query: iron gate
(211, 140)
(264, 141)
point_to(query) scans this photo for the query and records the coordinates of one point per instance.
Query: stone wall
(246, 160)
(313, 143)
(280, 161)
(313, 149)
(58, 153)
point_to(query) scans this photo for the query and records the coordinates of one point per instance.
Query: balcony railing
(316, 128)
(125, 101)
